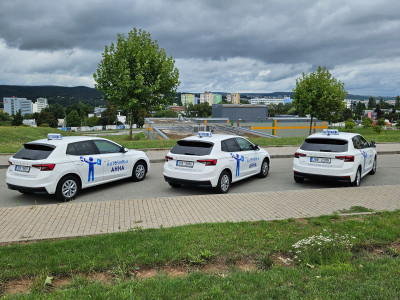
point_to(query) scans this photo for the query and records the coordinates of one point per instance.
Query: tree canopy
(320, 95)
(135, 74)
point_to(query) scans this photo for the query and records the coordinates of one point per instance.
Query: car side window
(363, 142)
(230, 145)
(107, 147)
(357, 143)
(244, 145)
(82, 148)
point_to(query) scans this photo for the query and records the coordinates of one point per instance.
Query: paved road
(154, 186)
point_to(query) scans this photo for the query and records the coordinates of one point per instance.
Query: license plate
(22, 168)
(183, 163)
(322, 160)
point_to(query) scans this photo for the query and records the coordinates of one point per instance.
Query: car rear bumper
(206, 183)
(24, 189)
(346, 179)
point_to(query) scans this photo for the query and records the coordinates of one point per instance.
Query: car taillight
(298, 154)
(45, 167)
(208, 162)
(346, 158)
(167, 158)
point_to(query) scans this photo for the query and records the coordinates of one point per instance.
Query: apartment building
(41, 103)
(207, 97)
(233, 98)
(12, 105)
(187, 98)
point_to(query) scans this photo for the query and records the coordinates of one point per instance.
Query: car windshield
(324, 145)
(197, 148)
(34, 151)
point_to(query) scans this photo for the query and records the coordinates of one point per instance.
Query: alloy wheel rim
(265, 168)
(225, 183)
(69, 188)
(139, 171)
(374, 166)
(358, 178)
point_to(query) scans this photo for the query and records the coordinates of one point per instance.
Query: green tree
(366, 122)
(57, 110)
(17, 119)
(320, 95)
(93, 121)
(371, 103)
(347, 114)
(165, 113)
(202, 110)
(359, 110)
(379, 112)
(109, 116)
(381, 122)
(136, 74)
(349, 124)
(46, 117)
(397, 103)
(73, 119)
(5, 118)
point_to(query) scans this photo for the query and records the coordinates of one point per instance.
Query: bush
(322, 249)
(349, 124)
(377, 129)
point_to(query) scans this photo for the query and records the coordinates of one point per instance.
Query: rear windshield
(324, 145)
(34, 151)
(192, 148)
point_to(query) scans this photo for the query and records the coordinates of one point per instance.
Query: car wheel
(224, 183)
(298, 179)
(264, 169)
(357, 180)
(139, 171)
(67, 189)
(373, 170)
(174, 185)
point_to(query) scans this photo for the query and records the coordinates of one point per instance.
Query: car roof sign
(204, 134)
(54, 136)
(330, 131)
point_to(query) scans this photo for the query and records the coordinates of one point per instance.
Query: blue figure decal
(238, 158)
(91, 166)
(365, 155)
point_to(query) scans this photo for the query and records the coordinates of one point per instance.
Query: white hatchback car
(334, 155)
(64, 165)
(214, 161)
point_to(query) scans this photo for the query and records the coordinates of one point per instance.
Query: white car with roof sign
(214, 160)
(64, 165)
(334, 155)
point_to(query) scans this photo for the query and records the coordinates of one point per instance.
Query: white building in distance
(207, 97)
(12, 105)
(41, 103)
(233, 98)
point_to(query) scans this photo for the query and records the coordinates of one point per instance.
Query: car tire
(264, 169)
(357, 179)
(174, 185)
(298, 179)
(139, 171)
(373, 170)
(224, 183)
(68, 188)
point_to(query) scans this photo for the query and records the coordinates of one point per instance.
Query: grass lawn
(358, 257)
(12, 138)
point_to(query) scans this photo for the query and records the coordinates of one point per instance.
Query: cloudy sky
(218, 45)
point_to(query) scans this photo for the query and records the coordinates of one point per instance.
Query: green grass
(12, 138)
(362, 275)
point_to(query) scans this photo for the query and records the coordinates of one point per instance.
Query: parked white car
(334, 155)
(214, 160)
(65, 165)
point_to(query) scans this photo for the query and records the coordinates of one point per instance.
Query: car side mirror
(123, 149)
(255, 147)
(372, 144)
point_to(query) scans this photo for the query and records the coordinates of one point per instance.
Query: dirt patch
(18, 286)
(282, 259)
(102, 277)
(246, 265)
(174, 272)
(61, 281)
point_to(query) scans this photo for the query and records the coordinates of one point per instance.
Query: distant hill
(54, 94)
